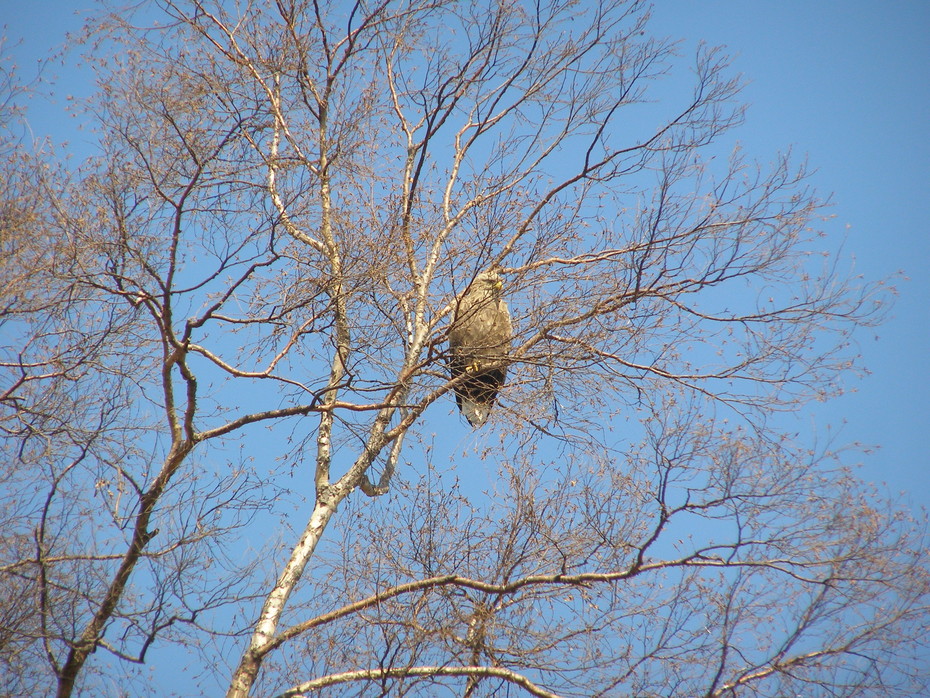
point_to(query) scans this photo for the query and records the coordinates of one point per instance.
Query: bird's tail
(475, 412)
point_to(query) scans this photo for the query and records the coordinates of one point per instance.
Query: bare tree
(236, 317)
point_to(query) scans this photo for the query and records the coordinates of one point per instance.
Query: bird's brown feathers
(479, 344)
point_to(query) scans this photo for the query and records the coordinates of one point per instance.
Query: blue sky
(846, 84)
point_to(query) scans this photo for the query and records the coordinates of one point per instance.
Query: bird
(479, 344)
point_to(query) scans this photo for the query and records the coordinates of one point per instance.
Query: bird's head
(489, 280)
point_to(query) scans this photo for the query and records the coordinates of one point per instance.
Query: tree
(234, 328)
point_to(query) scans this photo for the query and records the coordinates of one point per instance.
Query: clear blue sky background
(844, 82)
(848, 84)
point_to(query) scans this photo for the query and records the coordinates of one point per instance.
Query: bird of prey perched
(479, 342)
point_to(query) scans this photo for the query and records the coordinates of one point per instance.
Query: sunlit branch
(399, 672)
